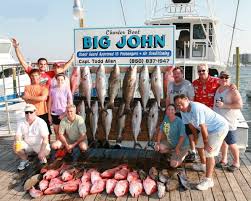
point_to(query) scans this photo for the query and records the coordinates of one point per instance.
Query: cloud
(28, 9)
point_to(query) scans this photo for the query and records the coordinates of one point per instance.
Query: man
(181, 86)
(37, 95)
(45, 76)
(205, 86)
(72, 133)
(176, 141)
(31, 136)
(213, 129)
(228, 102)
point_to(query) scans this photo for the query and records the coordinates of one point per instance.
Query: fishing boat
(196, 42)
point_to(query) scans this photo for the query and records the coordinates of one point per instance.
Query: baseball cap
(29, 108)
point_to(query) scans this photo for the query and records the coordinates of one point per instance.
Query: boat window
(5, 48)
(199, 49)
(198, 32)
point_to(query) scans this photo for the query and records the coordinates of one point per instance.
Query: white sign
(125, 45)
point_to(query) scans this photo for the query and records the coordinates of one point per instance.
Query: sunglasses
(201, 71)
(29, 112)
(224, 77)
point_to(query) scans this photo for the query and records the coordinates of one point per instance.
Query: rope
(231, 43)
(123, 13)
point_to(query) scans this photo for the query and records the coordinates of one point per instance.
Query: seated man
(176, 140)
(72, 133)
(31, 136)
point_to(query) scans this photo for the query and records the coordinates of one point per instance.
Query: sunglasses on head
(203, 71)
(29, 112)
(224, 77)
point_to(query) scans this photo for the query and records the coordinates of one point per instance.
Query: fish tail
(136, 144)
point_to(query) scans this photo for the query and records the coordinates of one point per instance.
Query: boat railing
(12, 83)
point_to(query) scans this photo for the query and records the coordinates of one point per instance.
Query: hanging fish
(85, 86)
(152, 122)
(144, 86)
(136, 123)
(157, 85)
(101, 85)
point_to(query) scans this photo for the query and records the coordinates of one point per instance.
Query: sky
(44, 28)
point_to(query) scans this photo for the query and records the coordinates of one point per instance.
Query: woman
(176, 140)
(59, 97)
(228, 102)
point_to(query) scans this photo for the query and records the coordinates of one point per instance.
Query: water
(245, 83)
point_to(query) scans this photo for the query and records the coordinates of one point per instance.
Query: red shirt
(204, 92)
(45, 77)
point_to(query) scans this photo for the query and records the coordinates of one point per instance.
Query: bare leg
(21, 154)
(224, 148)
(192, 143)
(210, 162)
(202, 155)
(235, 151)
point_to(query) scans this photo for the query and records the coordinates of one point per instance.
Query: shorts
(46, 119)
(187, 128)
(34, 148)
(55, 119)
(231, 137)
(215, 141)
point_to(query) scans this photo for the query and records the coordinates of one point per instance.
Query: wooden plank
(244, 169)
(143, 197)
(90, 197)
(166, 197)
(110, 197)
(175, 195)
(226, 189)
(235, 187)
(123, 198)
(153, 197)
(216, 190)
(247, 162)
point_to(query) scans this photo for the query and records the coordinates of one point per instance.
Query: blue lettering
(146, 41)
(133, 41)
(104, 42)
(87, 43)
(120, 44)
(159, 41)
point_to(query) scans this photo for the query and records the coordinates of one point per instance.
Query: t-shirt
(185, 87)
(37, 90)
(72, 130)
(60, 97)
(45, 77)
(173, 131)
(204, 92)
(201, 114)
(32, 134)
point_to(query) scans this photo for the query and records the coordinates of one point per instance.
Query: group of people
(205, 112)
(199, 116)
(48, 101)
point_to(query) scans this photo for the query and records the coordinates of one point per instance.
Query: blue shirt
(173, 131)
(201, 114)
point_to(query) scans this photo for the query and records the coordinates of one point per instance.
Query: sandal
(221, 165)
(232, 168)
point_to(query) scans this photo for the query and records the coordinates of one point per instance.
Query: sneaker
(221, 165)
(205, 184)
(23, 164)
(199, 167)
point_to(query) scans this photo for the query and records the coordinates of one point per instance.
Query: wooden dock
(228, 186)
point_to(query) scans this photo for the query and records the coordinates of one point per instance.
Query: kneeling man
(72, 133)
(31, 136)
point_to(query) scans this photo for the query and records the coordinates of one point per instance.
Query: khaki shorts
(215, 141)
(35, 148)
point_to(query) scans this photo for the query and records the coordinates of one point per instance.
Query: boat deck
(228, 186)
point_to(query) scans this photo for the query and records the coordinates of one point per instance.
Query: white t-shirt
(32, 134)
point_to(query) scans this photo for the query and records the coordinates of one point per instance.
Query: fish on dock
(114, 85)
(129, 86)
(136, 123)
(85, 86)
(144, 86)
(101, 85)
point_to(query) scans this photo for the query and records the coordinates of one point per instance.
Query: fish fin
(136, 144)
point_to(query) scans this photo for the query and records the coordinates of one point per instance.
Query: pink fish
(43, 184)
(84, 189)
(98, 186)
(67, 176)
(95, 176)
(35, 193)
(136, 188)
(110, 185)
(149, 185)
(53, 190)
(55, 181)
(121, 188)
(50, 174)
(132, 176)
(109, 173)
(86, 176)
(121, 174)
